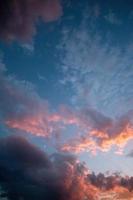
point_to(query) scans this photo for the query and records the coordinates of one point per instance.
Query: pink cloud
(18, 19)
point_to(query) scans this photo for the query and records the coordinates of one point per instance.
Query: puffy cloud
(18, 18)
(111, 181)
(27, 172)
(22, 153)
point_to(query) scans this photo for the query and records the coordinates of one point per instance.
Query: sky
(66, 96)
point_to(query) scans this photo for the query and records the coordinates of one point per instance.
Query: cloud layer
(98, 70)
(22, 109)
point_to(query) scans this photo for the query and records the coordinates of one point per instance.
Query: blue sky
(82, 62)
(66, 99)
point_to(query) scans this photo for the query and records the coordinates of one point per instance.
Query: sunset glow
(66, 100)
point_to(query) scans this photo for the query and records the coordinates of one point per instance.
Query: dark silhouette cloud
(27, 172)
(18, 18)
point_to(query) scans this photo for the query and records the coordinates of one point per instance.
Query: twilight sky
(66, 90)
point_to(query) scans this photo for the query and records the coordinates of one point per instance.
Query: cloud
(23, 110)
(60, 177)
(100, 133)
(111, 181)
(20, 103)
(112, 18)
(130, 154)
(18, 19)
(22, 152)
(99, 74)
(97, 69)
(27, 172)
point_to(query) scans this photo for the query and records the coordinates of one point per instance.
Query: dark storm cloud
(18, 18)
(27, 172)
(19, 151)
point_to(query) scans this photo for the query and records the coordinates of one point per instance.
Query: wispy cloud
(24, 110)
(100, 77)
(21, 107)
(112, 18)
(99, 73)
(102, 98)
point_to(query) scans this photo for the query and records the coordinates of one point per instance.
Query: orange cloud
(41, 124)
(118, 193)
(45, 124)
(80, 145)
(97, 132)
(32, 125)
(119, 140)
(100, 140)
